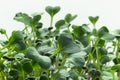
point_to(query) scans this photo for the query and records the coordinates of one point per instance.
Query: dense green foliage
(62, 51)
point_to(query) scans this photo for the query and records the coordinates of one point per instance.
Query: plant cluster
(63, 51)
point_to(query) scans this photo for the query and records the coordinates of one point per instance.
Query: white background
(108, 10)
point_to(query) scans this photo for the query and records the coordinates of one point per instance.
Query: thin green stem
(33, 31)
(98, 59)
(55, 52)
(69, 28)
(4, 47)
(26, 29)
(10, 50)
(6, 36)
(51, 21)
(90, 56)
(2, 76)
(117, 53)
(114, 47)
(94, 26)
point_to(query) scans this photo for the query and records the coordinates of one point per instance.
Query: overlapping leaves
(60, 52)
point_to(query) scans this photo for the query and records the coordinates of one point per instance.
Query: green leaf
(14, 72)
(1, 65)
(19, 55)
(69, 17)
(52, 10)
(36, 19)
(67, 45)
(116, 60)
(117, 33)
(56, 9)
(102, 51)
(76, 59)
(116, 67)
(93, 20)
(101, 43)
(60, 24)
(39, 25)
(19, 46)
(16, 36)
(94, 73)
(33, 54)
(84, 40)
(104, 59)
(27, 66)
(2, 31)
(49, 10)
(41, 33)
(3, 42)
(87, 49)
(24, 18)
(103, 30)
(63, 74)
(78, 31)
(108, 37)
(107, 75)
(73, 75)
(17, 65)
(86, 28)
(43, 61)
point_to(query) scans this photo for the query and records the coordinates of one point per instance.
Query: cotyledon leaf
(43, 61)
(67, 45)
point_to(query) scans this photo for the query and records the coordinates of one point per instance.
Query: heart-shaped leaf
(52, 10)
(43, 61)
(69, 17)
(56, 9)
(49, 10)
(24, 18)
(93, 20)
